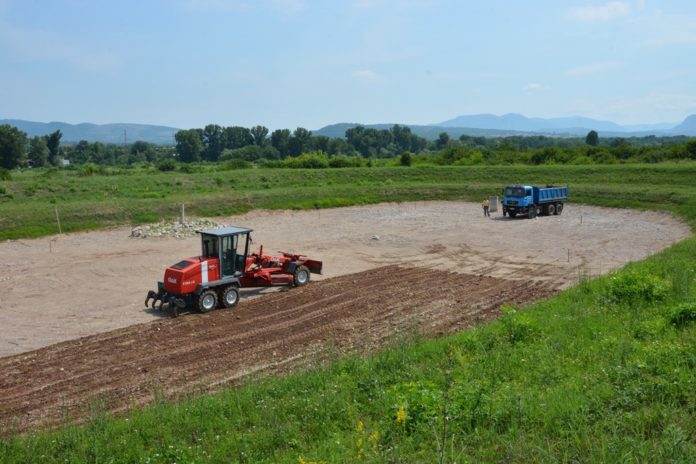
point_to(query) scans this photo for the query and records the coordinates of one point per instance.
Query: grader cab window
(210, 249)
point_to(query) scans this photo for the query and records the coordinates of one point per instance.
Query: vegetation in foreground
(32, 201)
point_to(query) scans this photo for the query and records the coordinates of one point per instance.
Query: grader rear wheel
(301, 276)
(230, 296)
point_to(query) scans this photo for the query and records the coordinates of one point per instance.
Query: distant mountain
(428, 132)
(576, 125)
(688, 127)
(478, 125)
(105, 133)
(490, 125)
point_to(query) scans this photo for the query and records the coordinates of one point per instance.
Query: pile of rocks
(173, 228)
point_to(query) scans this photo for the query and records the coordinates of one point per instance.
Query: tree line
(215, 143)
(300, 148)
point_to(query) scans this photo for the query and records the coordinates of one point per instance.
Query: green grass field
(604, 372)
(123, 196)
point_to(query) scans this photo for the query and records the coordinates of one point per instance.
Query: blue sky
(290, 63)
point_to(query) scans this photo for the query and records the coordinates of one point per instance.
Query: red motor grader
(213, 279)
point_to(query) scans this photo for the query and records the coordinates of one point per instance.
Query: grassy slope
(144, 196)
(605, 372)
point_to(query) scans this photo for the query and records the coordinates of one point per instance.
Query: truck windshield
(514, 192)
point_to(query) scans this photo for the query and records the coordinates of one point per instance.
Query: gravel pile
(173, 228)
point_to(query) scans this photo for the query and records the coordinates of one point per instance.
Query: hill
(105, 133)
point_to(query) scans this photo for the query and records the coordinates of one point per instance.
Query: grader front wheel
(207, 301)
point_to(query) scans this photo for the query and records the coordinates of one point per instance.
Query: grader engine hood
(185, 276)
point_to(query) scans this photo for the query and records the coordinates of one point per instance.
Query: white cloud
(367, 75)
(606, 12)
(593, 68)
(533, 87)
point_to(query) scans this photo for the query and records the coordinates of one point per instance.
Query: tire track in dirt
(274, 333)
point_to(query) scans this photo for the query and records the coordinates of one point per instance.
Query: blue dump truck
(532, 201)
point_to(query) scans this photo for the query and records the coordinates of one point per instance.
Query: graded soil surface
(431, 267)
(200, 352)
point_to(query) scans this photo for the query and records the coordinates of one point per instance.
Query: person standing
(486, 205)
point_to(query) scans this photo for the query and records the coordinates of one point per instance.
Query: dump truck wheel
(301, 276)
(531, 212)
(207, 301)
(552, 209)
(230, 297)
(559, 208)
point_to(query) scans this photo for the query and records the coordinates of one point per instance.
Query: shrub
(631, 287)
(314, 160)
(683, 314)
(516, 327)
(166, 164)
(236, 164)
(406, 159)
(187, 168)
(5, 174)
(89, 169)
(342, 161)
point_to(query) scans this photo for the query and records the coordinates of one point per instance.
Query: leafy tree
(12, 146)
(299, 142)
(237, 137)
(250, 153)
(189, 145)
(53, 143)
(142, 151)
(259, 133)
(280, 139)
(592, 138)
(402, 137)
(406, 159)
(442, 140)
(214, 141)
(38, 152)
(691, 148)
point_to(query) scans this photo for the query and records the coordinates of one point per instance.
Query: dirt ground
(64, 287)
(201, 352)
(429, 268)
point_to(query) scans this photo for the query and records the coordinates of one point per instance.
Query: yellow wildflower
(401, 416)
(373, 439)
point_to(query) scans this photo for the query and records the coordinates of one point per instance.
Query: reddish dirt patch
(277, 332)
